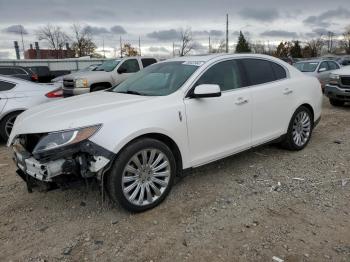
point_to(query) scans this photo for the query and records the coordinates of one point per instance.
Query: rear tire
(142, 175)
(299, 130)
(6, 125)
(335, 102)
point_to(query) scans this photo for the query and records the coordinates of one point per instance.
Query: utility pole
(226, 33)
(103, 44)
(173, 49)
(140, 45)
(121, 47)
(22, 40)
(209, 45)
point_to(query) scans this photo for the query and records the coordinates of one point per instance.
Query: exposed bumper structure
(84, 160)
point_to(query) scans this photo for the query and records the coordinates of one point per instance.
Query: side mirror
(206, 90)
(121, 70)
(322, 69)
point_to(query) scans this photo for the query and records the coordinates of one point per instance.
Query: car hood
(342, 71)
(75, 112)
(86, 75)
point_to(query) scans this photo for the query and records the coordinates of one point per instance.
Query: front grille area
(345, 81)
(68, 83)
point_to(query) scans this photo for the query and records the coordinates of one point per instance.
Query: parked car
(338, 88)
(109, 73)
(17, 95)
(45, 75)
(173, 115)
(318, 68)
(19, 72)
(86, 69)
(344, 61)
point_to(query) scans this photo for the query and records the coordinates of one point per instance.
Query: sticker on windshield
(194, 63)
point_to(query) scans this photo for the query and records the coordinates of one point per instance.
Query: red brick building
(48, 54)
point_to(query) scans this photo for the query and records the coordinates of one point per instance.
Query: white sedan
(17, 95)
(174, 115)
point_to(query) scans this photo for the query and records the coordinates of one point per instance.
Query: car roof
(209, 57)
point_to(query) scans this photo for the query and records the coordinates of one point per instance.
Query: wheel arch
(11, 112)
(166, 140)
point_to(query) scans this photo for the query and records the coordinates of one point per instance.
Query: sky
(158, 22)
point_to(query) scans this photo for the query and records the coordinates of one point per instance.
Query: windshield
(108, 65)
(306, 66)
(158, 79)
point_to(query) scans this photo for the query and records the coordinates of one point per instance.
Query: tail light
(35, 77)
(55, 93)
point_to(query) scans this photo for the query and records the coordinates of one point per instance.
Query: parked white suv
(110, 73)
(177, 114)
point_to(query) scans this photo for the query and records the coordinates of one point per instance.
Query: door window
(332, 65)
(226, 74)
(280, 72)
(130, 66)
(7, 71)
(259, 71)
(148, 61)
(5, 86)
(324, 65)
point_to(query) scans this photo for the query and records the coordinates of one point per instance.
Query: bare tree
(258, 48)
(82, 41)
(315, 46)
(186, 42)
(129, 50)
(345, 43)
(53, 35)
(220, 47)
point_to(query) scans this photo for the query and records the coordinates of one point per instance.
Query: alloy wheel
(301, 128)
(146, 176)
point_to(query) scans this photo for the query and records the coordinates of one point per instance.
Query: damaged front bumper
(85, 160)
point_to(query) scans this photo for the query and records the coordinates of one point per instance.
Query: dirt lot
(244, 208)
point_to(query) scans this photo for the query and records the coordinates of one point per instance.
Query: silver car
(318, 68)
(17, 95)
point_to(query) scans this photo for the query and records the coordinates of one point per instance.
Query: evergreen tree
(242, 45)
(295, 50)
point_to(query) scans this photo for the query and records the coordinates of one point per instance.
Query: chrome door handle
(287, 91)
(241, 101)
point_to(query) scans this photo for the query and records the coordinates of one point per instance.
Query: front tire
(335, 102)
(142, 175)
(299, 130)
(6, 125)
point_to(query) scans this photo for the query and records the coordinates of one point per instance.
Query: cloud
(170, 34)
(323, 20)
(216, 33)
(236, 33)
(95, 30)
(264, 15)
(156, 49)
(15, 29)
(4, 54)
(117, 29)
(198, 47)
(279, 34)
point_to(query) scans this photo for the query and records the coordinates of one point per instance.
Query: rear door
(219, 126)
(272, 99)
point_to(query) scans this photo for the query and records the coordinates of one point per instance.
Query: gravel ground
(250, 207)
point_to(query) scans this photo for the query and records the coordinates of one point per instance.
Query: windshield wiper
(130, 92)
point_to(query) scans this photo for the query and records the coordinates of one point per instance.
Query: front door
(219, 126)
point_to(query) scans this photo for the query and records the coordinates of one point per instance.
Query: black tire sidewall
(114, 180)
(290, 141)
